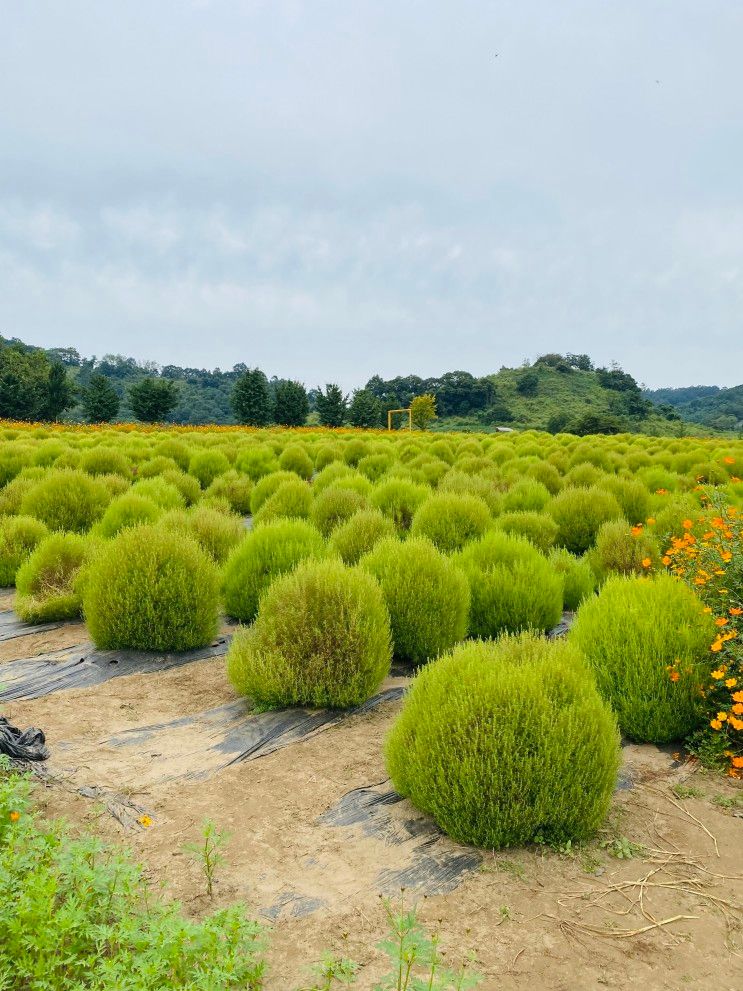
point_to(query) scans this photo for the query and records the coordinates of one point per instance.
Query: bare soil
(669, 918)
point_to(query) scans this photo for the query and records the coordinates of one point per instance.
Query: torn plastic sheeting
(11, 626)
(84, 666)
(231, 734)
(19, 744)
(436, 865)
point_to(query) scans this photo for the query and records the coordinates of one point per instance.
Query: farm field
(497, 677)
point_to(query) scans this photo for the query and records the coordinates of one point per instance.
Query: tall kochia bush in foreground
(507, 742)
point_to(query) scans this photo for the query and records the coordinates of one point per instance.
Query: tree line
(38, 384)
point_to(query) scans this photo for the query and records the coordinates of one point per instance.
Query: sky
(332, 189)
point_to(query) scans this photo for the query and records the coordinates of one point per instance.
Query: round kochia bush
(322, 638)
(427, 596)
(354, 538)
(579, 513)
(127, 510)
(334, 506)
(151, 589)
(506, 742)
(513, 586)
(45, 583)
(205, 466)
(451, 520)
(19, 536)
(647, 641)
(538, 528)
(67, 500)
(263, 555)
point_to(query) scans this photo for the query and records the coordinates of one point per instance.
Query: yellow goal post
(390, 412)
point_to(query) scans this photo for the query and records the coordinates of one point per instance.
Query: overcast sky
(331, 189)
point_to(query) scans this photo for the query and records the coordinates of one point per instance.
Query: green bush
(215, 532)
(334, 506)
(127, 510)
(235, 488)
(11, 496)
(322, 638)
(513, 586)
(291, 499)
(255, 462)
(295, 458)
(647, 641)
(579, 581)
(579, 513)
(263, 555)
(151, 589)
(205, 466)
(476, 485)
(19, 537)
(450, 521)
(67, 500)
(187, 485)
(362, 531)
(398, 499)
(160, 491)
(505, 743)
(157, 466)
(620, 550)
(427, 596)
(106, 461)
(632, 496)
(176, 450)
(527, 495)
(538, 528)
(373, 466)
(45, 582)
(266, 486)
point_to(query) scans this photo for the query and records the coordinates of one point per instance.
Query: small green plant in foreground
(208, 852)
(622, 848)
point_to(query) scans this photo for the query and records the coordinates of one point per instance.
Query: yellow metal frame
(409, 411)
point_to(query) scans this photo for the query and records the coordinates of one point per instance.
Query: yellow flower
(731, 683)
(14, 816)
(721, 621)
(646, 562)
(736, 723)
(145, 820)
(719, 674)
(722, 716)
(715, 724)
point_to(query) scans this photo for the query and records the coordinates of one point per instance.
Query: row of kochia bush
(501, 740)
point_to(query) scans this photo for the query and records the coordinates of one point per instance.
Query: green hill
(719, 408)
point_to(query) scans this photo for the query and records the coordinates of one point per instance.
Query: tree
(528, 384)
(291, 404)
(598, 423)
(24, 383)
(423, 411)
(365, 409)
(152, 399)
(60, 392)
(251, 399)
(100, 401)
(331, 406)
